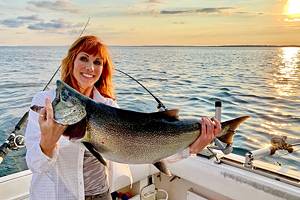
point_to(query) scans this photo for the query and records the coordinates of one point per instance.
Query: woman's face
(87, 70)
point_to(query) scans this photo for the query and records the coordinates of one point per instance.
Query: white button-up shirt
(59, 177)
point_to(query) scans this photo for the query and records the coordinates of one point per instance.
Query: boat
(203, 176)
(214, 173)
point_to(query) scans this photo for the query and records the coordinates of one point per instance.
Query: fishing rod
(16, 141)
(277, 143)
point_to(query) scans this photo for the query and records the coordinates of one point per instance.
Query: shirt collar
(97, 96)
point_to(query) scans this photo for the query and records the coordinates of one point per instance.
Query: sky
(151, 22)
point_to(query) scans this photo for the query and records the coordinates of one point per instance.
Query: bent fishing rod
(16, 141)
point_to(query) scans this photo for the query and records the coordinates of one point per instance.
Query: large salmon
(127, 136)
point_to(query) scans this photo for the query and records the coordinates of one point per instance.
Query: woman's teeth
(87, 75)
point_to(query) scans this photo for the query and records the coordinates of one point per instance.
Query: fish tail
(229, 127)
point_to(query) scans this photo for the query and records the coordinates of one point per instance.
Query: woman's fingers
(207, 127)
(42, 115)
(203, 126)
(210, 128)
(217, 127)
(49, 109)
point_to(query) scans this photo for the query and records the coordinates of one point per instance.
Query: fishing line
(160, 105)
(15, 142)
(60, 65)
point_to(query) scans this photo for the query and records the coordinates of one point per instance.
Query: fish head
(67, 107)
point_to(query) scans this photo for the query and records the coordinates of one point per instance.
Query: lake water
(263, 82)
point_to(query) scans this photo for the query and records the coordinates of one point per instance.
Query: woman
(62, 167)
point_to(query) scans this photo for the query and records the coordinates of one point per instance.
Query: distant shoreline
(205, 45)
(159, 46)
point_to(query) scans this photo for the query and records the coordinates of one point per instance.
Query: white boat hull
(201, 176)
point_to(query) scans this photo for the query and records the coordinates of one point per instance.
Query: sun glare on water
(292, 10)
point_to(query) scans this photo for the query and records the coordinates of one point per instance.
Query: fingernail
(48, 100)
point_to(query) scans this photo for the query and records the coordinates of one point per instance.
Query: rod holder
(218, 110)
(225, 148)
(277, 143)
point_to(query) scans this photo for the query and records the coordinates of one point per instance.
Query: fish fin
(168, 114)
(162, 167)
(92, 149)
(229, 127)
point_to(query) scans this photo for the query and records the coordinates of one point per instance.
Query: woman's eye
(97, 62)
(83, 58)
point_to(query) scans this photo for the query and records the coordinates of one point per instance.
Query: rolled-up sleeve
(36, 160)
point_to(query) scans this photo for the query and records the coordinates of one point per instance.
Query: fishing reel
(277, 143)
(13, 142)
(16, 141)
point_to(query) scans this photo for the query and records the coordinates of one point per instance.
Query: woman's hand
(209, 130)
(50, 130)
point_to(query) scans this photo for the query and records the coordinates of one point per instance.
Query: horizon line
(162, 45)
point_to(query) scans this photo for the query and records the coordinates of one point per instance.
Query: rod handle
(261, 152)
(4, 149)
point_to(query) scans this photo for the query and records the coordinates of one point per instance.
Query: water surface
(263, 82)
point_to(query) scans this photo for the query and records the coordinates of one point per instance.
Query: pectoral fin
(95, 153)
(162, 167)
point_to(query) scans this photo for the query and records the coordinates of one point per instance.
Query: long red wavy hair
(92, 45)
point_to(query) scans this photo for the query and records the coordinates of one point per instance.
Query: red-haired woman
(62, 167)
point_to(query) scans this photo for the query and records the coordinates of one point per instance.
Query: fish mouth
(68, 109)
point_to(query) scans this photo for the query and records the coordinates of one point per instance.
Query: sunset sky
(151, 22)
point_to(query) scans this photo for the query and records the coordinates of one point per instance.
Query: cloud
(29, 18)
(173, 11)
(12, 23)
(33, 22)
(52, 25)
(155, 1)
(59, 5)
(46, 26)
(213, 10)
(245, 13)
(202, 10)
(18, 21)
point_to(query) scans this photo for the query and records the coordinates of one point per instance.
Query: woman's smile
(87, 70)
(87, 75)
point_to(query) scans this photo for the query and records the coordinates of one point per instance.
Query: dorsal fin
(167, 114)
